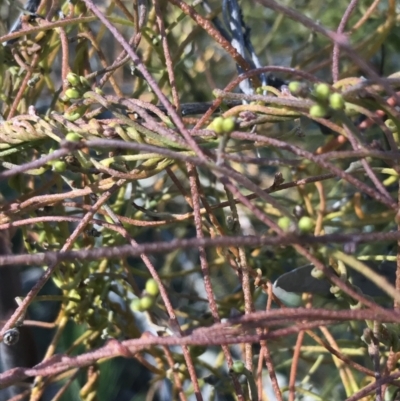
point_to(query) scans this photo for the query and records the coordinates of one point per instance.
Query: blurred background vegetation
(65, 76)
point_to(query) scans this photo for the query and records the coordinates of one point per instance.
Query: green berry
(322, 91)
(336, 101)
(73, 93)
(284, 223)
(294, 87)
(152, 287)
(216, 125)
(59, 166)
(298, 89)
(238, 367)
(146, 302)
(306, 224)
(318, 111)
(228, 125)
(135, 305)
(76, 113)
(73, 137)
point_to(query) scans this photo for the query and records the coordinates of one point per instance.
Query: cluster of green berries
(146, 301)
(304, 225)
(59, 166)
(221, 125)
(324, 97)
(77, 86)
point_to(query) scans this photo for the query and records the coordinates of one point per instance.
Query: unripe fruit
(73, 137)
(73, 93)
(284, 223)
(152, 287)
(228, 125)
(294, 86)
(135, 305)
(306, 224)
(322, 91)
(146, 302)
(216, 125)
(300, 89)
(336, 101)
(318, 111)
(238, 367)
(59, 166)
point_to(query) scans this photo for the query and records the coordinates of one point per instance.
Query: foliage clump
(164, 183)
